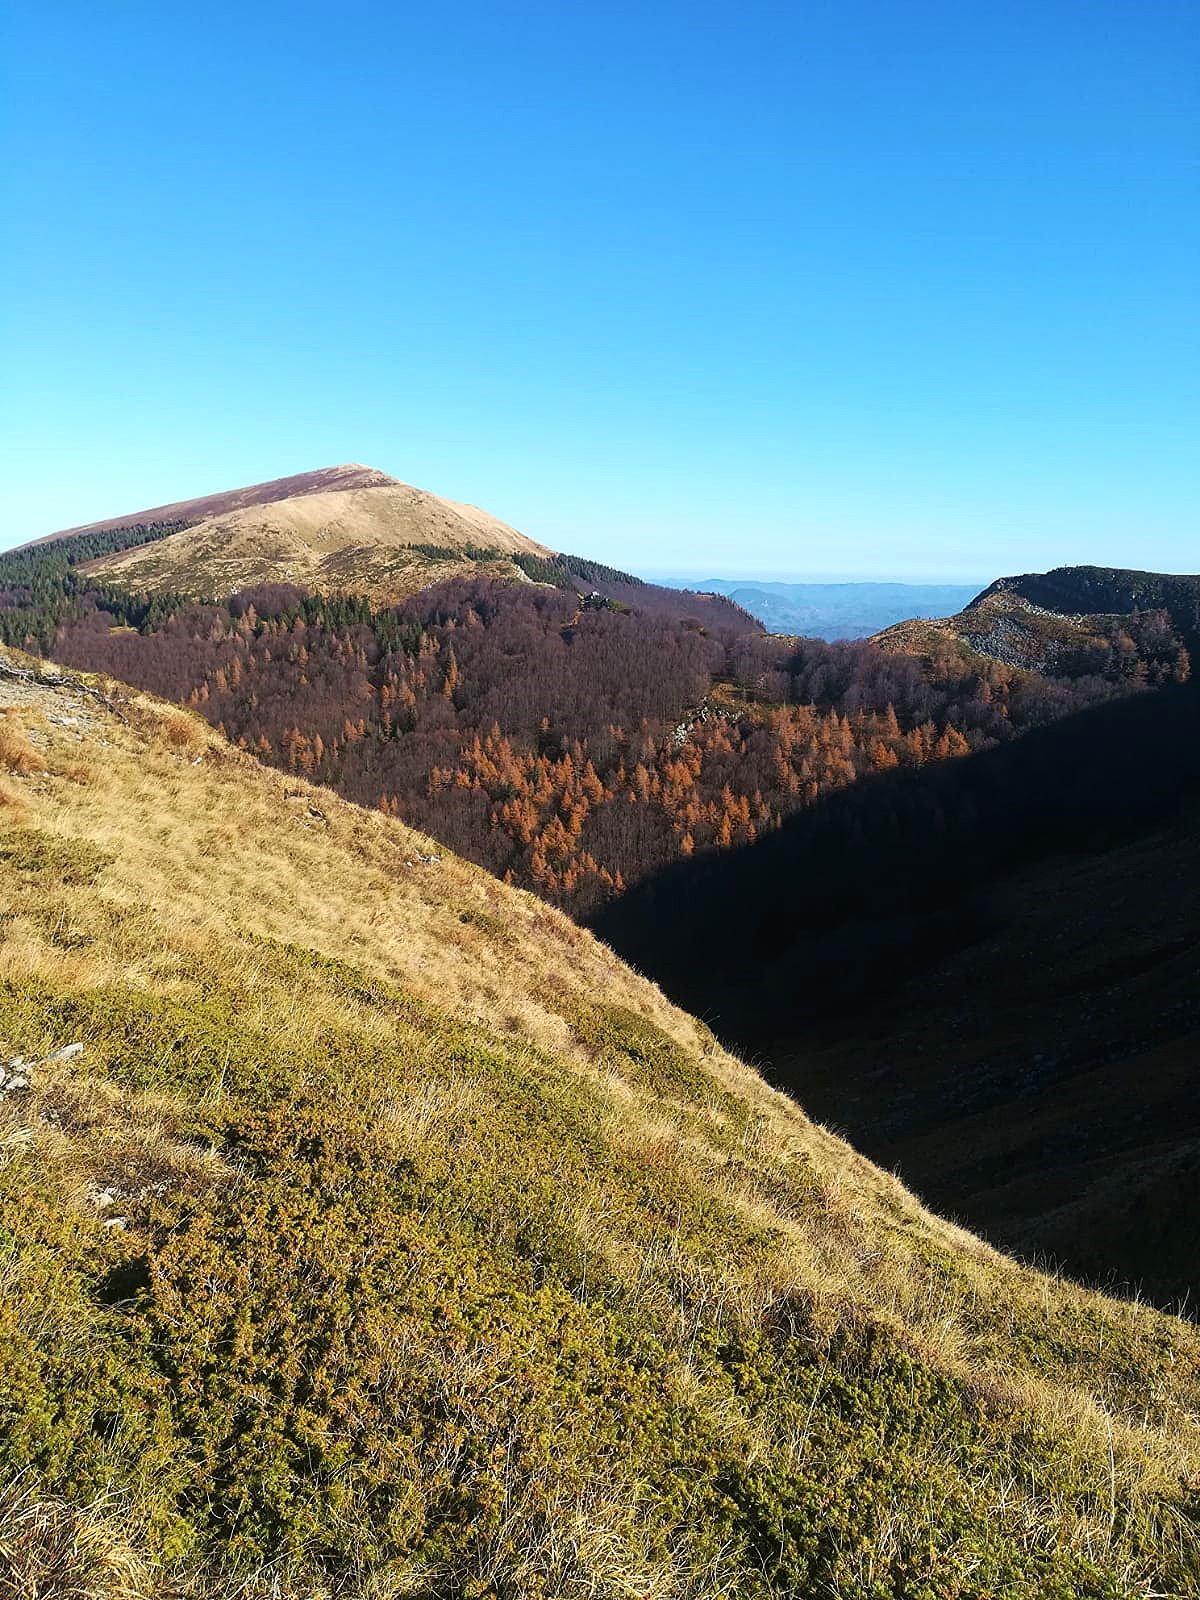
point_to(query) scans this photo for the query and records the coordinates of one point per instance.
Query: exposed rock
(16, 1075)
(15, 1078)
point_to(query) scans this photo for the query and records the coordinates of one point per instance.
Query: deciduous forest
(570, 744)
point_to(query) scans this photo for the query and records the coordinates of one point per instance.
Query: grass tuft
(17, 753)
(53, 1550)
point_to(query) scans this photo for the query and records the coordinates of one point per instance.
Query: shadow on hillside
(878, 880)
(987, 972)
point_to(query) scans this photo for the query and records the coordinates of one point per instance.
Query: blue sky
(902, 289)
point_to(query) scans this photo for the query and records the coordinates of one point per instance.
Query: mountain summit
(341, 528)
(352, 475)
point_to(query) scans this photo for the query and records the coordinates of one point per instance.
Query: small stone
(68, 1052)
(14, 1077)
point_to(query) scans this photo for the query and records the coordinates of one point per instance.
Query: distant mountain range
(836, 610)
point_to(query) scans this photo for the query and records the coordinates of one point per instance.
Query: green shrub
(404, 1346)
(73, 862)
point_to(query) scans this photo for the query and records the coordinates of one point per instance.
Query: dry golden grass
(361, 539)
(348, 882)
(16, 752)
(114, 1152)
(12, 803)
(50, 1550)
(181, 732)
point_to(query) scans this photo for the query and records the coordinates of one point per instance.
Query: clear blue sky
(876, 287)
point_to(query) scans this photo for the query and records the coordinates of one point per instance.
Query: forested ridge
(572, 735)
(40, 588)
(1110, 589)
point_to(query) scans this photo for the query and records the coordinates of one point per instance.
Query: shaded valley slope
(987, 972)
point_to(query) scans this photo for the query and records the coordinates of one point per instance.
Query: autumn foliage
(570, 748)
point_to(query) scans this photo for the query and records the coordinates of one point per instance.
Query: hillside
(1001, 626)
(1077, 591)
(324, 481)
(568, 726)
(378, 537)
(370, 1230)
(1069, 622)
(985, 972)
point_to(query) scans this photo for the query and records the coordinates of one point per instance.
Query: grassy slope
(390, 1237)
(350, 475)
(386, 541)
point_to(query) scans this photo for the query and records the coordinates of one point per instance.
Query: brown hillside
(351, 476)
(384, 539)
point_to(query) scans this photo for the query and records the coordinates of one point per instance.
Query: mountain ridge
(1087, 591)
(349, 475)
(336, 530)
(1065, 615)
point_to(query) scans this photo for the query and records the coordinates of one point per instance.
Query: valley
(833, 611)
(985, 973)
(564, 1033)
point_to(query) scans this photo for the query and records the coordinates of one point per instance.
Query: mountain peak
(342, 528)
(350, 475)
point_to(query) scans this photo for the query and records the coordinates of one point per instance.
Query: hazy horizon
(818, 580)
